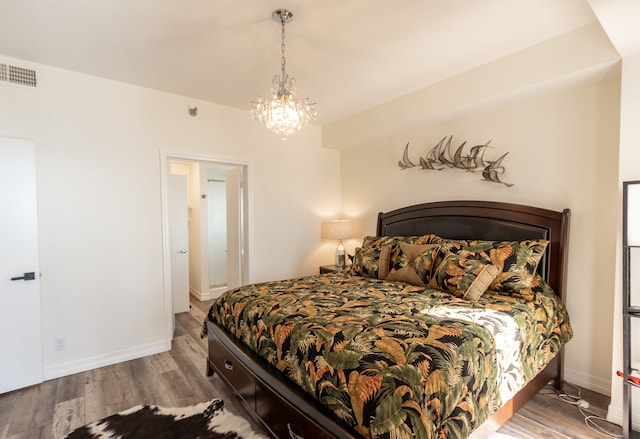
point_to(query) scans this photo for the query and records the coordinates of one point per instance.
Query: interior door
(179, 235)
(20, 327)
(234, 238)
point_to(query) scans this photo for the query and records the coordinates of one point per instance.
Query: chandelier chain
(282, 60)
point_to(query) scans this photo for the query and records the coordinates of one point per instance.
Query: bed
(413, 351)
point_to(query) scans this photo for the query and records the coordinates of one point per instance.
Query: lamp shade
(633, 213)
(337, 229)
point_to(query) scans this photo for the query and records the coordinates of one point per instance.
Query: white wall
(98, 147)
(563, 148)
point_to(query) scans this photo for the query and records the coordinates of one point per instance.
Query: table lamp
(338, 230)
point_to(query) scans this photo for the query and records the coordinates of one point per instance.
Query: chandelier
(282, 113)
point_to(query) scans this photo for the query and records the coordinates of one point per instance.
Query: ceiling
(346, 55)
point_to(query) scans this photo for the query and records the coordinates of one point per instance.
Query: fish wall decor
(440, 157)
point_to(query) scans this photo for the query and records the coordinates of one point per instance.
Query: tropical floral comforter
(393, 360)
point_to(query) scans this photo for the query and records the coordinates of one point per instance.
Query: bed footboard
(283, 411)
(286, 412)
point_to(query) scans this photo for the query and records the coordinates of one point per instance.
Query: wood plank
(186, 346)
(43, 413)
(115, 387)
(191, 321)
(7, 406)
(148, 383)
(38, 432)
(545, 412)
(22, 412)
(70, 387)
(178, 388)
(163, 362)
(94, 400)
(199, 309)
(523, 428)
(68, 416)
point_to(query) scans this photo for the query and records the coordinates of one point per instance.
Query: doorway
(216, 217)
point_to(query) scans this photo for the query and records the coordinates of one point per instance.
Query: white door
(234, 228)
(20, 333)
(179, 235)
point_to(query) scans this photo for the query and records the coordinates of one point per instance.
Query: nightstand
(332, 269)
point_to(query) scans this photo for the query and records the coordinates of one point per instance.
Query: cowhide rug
(208, 420)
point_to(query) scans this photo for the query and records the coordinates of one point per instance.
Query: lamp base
(340, 256)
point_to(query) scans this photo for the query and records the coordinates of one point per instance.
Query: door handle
(25, 276)
(184, 250)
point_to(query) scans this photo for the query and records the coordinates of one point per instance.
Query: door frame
(165, 158)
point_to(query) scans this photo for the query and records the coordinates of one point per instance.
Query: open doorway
(216, 220)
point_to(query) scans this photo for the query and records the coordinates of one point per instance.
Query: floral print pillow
(517, 261)
(367, 258)
(463, 277)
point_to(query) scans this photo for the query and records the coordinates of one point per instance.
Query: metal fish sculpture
(458, 160)
(490, 173)
(439, 157)
(432, 159)
(406, 161)
(445, 154)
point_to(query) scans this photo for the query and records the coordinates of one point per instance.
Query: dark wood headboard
(491, 221)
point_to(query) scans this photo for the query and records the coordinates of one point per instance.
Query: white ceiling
(346, 55)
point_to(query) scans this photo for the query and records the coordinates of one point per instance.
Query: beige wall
(563, 148)
(98, 160)
(629, 163)
(566, 59)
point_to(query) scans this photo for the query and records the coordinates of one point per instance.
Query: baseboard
(615, 415)
(82, 365)
(199, 294)
(587, 381)
(213, 293)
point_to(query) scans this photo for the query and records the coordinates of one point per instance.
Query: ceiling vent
(17, 75)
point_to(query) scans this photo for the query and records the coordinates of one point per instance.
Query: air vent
(17, 75)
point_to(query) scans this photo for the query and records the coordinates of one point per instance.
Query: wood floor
(177, 378)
